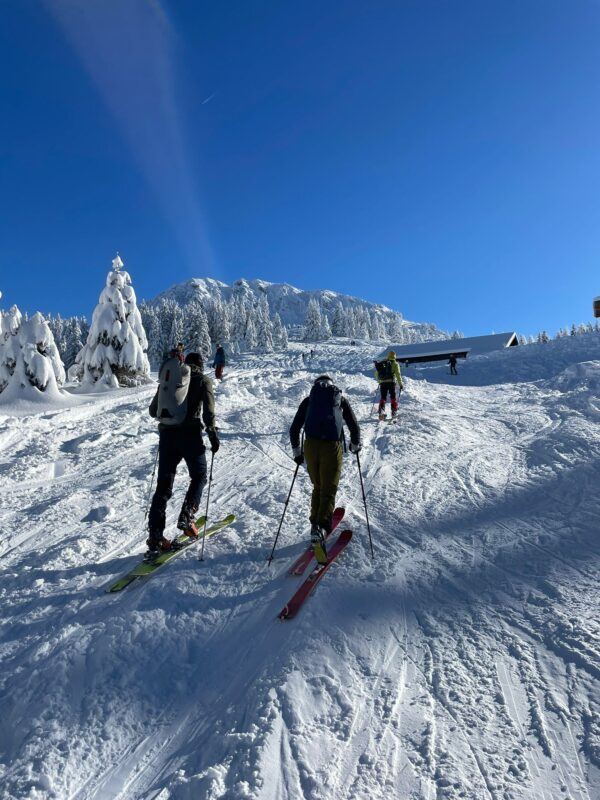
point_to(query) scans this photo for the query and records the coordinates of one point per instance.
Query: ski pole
(362, 486)
(374, 401)
(212, 458)
(150, 486)
(283, 515)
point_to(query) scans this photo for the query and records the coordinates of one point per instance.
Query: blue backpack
(324, 413)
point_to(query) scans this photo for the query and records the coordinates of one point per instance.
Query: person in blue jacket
(219, 362)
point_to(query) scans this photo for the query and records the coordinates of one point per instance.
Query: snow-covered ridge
(288, 301)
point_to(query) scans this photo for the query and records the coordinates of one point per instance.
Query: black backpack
(384, 370)
(324, 413)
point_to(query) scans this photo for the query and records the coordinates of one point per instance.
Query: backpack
(384, 371)
(324, 413)
(174, 383)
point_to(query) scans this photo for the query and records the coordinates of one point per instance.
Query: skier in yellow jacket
(387, 373)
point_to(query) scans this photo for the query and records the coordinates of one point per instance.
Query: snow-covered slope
(463, 662)
(289, 302)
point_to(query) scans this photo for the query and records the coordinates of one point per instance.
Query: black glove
(298, 455)
(214, 441)
(355, 448)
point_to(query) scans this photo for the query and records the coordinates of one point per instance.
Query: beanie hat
(194, 359)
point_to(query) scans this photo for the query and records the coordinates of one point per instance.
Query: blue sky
(440, 157)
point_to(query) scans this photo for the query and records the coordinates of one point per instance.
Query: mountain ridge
(290, 302)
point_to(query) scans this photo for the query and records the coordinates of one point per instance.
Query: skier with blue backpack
(322, 415)
(183, 401)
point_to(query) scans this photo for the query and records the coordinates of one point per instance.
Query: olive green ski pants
(324, 464)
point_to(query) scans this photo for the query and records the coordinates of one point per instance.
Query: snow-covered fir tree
(197, 335)
(325, 327)
(280, 337)
(35, 366)
(10, 322)
(312, 322)
(338, 323)
(218, 322)
(250, 334)
(264, 327)
(115, 352)
(237, 323)
(178, 331)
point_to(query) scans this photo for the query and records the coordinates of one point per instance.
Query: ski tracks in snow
(461, 663)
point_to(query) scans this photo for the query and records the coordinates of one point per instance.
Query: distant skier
(178, 352)
(322, 415)
(387, 373)
(219, 363)
(184, 399)
(452, 362)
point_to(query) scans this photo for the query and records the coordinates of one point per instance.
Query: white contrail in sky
(128, 49)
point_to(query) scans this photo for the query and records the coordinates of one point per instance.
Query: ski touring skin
(145, 568)
(308, 585)
(302, 562)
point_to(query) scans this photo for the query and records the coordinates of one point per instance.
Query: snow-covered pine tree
(115, 352)
(75, 336)
(280, 337)
(151, 322)
(237, 323)
(178, 332)
(312, 321)
(325, 327)
(250, 334)
(376, 329)
(10, 322)
(37, 365)
(218, 321)
(264, 332)
(197, 335)
(361, 327)
(338, 323)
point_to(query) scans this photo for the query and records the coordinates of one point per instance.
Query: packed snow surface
(462, 662)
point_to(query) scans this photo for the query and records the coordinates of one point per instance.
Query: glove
(298, 455)
(355, 447)
(214, 441)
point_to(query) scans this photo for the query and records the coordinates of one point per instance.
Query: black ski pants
(384, 388)
(175, 445)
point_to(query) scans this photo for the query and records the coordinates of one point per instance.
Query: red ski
(307, 586)
(302, 562)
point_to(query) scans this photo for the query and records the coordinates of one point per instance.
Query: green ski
(148, 567)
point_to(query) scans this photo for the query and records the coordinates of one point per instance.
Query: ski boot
(317, 542)
(381, 414)
(187, 520)
(394, 413)
(157, 546)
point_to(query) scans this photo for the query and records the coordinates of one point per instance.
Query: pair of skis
(182, 542)
(299, 566)
(146, 568)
